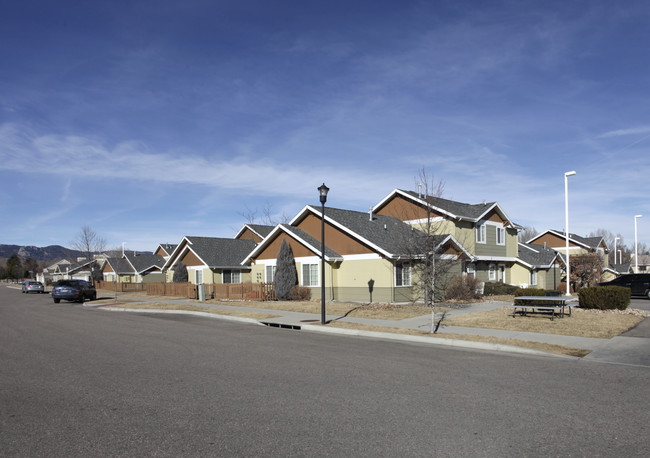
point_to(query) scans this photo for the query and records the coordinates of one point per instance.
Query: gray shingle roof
(385, 232)
(120, 266)
(168, 247)
(470, 211)
(536, 255)
(261, 229)
(221, 252)
(591, 242)
(144, 262)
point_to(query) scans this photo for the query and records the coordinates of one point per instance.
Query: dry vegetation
(541, 346)
(582, 323)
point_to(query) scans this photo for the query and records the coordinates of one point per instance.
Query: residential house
(483, 229)
(537, 267)
(644, 263)
(118, 269)
(577, 246)
(212, 260)
(616, 270)
(367, 256)
(147, 268)
(55, 272)
(165, 250)
(254, 232)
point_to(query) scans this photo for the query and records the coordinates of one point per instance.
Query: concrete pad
(623, 350)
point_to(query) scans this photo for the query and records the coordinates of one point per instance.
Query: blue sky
(152, 120)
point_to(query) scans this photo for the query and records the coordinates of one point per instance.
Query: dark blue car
(73, 290)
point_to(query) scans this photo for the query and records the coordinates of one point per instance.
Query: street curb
(187, 312)
(434, 341)
(470, 344)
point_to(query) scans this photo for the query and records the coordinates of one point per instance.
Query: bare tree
(89, 243)
(264, 216)
(586, 269)
(527, 233)
(429, 270)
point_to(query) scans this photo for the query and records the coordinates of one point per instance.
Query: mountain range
(49, 253)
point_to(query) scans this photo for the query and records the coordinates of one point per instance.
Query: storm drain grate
(281, 325)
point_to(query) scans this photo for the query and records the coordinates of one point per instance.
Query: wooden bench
(523, 308)
(553, 304)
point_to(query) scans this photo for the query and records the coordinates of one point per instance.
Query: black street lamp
(323, 190)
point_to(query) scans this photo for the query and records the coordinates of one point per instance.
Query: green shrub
(463, 288)
(499, 289)
(299, 293)
(605, 298)
(530, 292)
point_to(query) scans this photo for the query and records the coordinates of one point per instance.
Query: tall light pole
(616, 239)
(636, 250)
(566, 233)
(323, 190)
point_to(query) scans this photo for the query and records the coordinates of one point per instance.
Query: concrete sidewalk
(621, 350)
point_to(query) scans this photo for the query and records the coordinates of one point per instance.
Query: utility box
(201, 292)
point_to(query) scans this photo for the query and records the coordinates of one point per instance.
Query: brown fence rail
(230, 291)
(240, 291)
(119, 286)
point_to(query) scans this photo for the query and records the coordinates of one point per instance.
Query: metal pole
(566, 235)
(322, 265)
(636, 251)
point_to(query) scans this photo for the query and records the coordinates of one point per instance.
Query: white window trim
(266, 276)
(410, 271)
(302, 274)
(481, 233)
(533, 277)
(501, 230)
(492, 272)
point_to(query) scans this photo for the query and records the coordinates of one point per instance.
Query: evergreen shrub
(605, 297)
(499, 289)
(530, 292)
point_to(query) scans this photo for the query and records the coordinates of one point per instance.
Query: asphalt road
(76, 381)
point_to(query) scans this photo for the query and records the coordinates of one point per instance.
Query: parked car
(639, 284)
(73, 290)
(33, 287)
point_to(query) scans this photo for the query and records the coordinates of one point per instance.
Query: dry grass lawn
(582, 323)
(376, 311)
(551, 348)
(192, 308)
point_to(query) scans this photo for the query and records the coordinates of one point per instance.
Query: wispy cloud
(624, 132)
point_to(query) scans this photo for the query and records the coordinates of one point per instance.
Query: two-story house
(483, 229)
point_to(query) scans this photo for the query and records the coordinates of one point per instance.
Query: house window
(198, 276)
(231, 276)
(403, 274)
(480, 233)
(270, 274)
(501, 236)
(310, 275)
(533, 277)
(492, 272)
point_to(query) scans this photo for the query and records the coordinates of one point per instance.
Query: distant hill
(49, 253)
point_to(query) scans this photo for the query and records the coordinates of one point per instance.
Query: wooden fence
(230, 291)
(119, 286)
